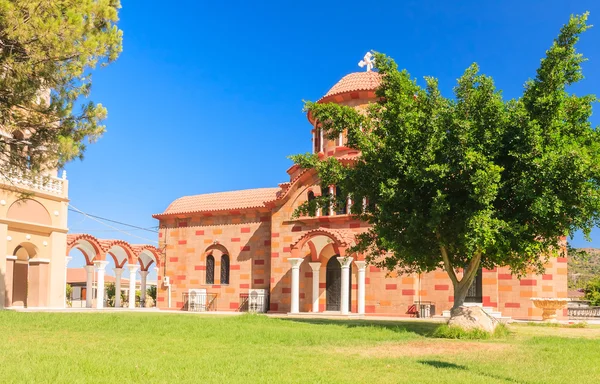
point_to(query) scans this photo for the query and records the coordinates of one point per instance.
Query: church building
(228, 245)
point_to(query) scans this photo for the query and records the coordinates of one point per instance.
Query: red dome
(354, 82)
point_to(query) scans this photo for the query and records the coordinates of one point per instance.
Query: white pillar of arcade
(361, 265)
(316, 267)
(143, 276)
(88, 286)
(345, 263)
(118, 274)
(295, 261)
(101, 266)
(132, 270)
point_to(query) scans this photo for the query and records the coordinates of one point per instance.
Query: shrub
(69, 295)
(592, 291)
(453, 332)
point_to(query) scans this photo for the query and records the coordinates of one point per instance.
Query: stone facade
(269, 249)
(33, 238)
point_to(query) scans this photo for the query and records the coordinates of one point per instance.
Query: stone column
(118, 274)
(345, 263)
(101, 265)
(331, 200)
(132, 270)
(144, 275)
(320, 139)
(316, 267)
(295, 261)
(88, 286)
(67, 259)
(361, 286)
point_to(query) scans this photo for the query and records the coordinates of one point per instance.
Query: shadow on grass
(422, 328)
(442, 364)
(439, 364)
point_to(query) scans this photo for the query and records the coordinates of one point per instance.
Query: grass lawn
(171, 348)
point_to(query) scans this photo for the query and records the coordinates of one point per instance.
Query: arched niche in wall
(30, 211)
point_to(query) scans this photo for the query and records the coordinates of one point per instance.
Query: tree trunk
(460, 290)
(461, 287)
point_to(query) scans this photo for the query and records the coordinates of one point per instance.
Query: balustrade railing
(43, 183)
(584, 312)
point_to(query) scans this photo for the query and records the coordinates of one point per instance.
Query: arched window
(210, 269)
(341, 202)
(325, 208)
(225, 269)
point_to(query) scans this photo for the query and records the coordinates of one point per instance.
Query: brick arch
(91, 244)
(215, 247)
(130, 255)
(155, 253)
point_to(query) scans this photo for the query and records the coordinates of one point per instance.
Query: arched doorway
(333, 279)
(20, 274)
(475, 292)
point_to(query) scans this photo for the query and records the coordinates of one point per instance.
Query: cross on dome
(367, 61)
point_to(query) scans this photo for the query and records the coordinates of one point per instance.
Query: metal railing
(199, 302)
(254, 302)
(584, 312)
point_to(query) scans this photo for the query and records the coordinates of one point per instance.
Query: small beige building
(33, 239)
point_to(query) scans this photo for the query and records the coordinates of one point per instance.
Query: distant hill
(582, 268)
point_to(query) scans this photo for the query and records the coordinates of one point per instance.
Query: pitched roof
(79, 275)
(357, 81)
(222, 201)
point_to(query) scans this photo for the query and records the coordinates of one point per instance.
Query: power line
(98, 219)
(112, 221)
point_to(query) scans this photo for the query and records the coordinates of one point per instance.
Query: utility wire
(112, 221)
(98, 219)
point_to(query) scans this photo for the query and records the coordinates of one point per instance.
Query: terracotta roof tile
(79, 275)
(357, 81)
(222, 201)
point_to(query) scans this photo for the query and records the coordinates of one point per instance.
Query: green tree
(592, 291)
(47, 50)
(152, 292)
(473, 180)
(69, 294)
(110, 290)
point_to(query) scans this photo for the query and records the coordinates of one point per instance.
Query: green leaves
(46, 51)
(472, 175)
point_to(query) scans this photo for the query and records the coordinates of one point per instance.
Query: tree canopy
(472, 180)
(47, 50)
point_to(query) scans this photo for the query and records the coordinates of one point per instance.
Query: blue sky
(207, 96)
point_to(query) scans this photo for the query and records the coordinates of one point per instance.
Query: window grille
(225, 269)
(210, 270)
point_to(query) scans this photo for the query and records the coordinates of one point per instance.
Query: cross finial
(367, 61)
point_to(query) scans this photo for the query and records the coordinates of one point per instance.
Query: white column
(295, 261)
(132, 270)
(320, 139)
(101, 266)
(349, 205)
(331, 200)
(118, 273)
(88, 285)
(361, 286)
(313, 142)
(316, 267)
(143, 276)
(67, 259)
(345, 262)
